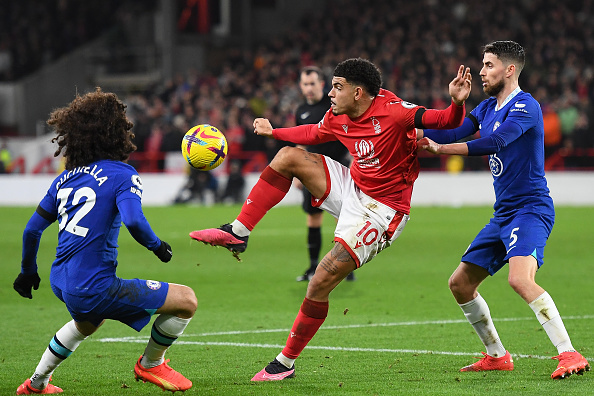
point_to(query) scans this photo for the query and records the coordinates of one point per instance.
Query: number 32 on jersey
(71, 225)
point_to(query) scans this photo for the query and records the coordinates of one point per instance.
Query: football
(204, 147)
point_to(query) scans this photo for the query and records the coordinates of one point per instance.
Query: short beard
(495, 89)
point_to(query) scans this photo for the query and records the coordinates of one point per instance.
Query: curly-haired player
(90, 199)
(371, 200)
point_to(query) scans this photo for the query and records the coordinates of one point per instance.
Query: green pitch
(396, 330)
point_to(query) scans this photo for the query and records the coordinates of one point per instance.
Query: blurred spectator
(583, 135)
(568, 115)
(5, 158)
(233, 192)
(201, 187)
(552, 130)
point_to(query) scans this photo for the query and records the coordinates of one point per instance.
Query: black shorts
(306, 205)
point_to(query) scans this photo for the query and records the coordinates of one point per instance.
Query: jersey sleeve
(507, 132)
(309, 134)
(451, 117)
(45, 214)
(524, 113)
(521, 117)
(445, 136)
(128, 201)
(38, 222)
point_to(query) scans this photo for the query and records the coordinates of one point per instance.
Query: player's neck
(360, 108)
(502, 96)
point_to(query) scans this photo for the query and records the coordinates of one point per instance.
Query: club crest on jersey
(153, 285)
(345, 128)
(496, 126)
(376, 125)
(496, 165)
(408, 105)
(366, 154)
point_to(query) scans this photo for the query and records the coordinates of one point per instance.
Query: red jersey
(382, 141)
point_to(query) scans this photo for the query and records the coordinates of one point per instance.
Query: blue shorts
(130, 301)
(523, 234)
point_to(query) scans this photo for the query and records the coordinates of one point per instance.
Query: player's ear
(510, 70)
(358, 92)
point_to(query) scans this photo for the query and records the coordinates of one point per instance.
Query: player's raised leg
(175, 315)
(333, 268)
(272, 186)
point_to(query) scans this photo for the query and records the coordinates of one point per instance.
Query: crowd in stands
(417, 45)
(34, 33)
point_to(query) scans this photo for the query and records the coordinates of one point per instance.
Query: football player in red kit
(371, 200)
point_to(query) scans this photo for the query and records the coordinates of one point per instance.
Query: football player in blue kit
(510, 125)
(90, 199)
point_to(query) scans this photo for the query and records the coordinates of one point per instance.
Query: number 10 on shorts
(369, 235)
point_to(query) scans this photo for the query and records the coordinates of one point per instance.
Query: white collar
(509, 97)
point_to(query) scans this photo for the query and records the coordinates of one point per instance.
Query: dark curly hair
(358, 71)
(508, 52)
(91, 128)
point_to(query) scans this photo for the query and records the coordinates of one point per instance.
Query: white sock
(547, 314)
(166, 329)
(285, 361)
(64, 342)
(478, 314)
(239, 229)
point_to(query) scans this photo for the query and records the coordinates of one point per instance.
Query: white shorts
(365, 226)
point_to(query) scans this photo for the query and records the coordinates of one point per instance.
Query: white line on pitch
(144, 339)
(138, 340)
(356, 326)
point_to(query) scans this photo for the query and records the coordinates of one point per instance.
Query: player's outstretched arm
(461, 85)
(436, 148)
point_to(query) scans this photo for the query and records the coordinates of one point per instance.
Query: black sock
(314, 244)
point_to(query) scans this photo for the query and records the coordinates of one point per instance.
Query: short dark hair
(91, 128)
(362, 72)
(312, 69)
(508, 52)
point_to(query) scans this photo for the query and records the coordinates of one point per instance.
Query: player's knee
(519, 284)
(190, 302)
(454, 284)
(285, 158)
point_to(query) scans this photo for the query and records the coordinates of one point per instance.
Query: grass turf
(396, 330)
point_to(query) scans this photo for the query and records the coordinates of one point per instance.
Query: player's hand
(428, 145)
(164, 252)
(23, 284)
(461, 85)
(262, 127)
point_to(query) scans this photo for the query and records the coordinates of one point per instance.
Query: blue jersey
(90, 203)
(518, 165)
(513, 137)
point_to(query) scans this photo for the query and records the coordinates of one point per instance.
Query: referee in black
(317, 102)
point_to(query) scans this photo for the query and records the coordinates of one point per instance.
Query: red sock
(309, 319)
(270, 189)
